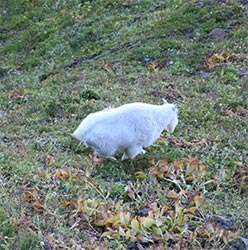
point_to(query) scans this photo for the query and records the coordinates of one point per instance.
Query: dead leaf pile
(180, 142)
(152, 66)
(217, 230)
(181, 173)
(62, 174)
(17, 95)
(107, 66)
(170, 94)
(218, 59)
(240, 178)
(51, 160)
(182, 220)
(239, 111)
(161, 222)
(34, 198)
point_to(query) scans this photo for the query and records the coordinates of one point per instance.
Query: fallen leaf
(37, 205)
(122, 231)
(240, 178)
(153, 66)
(161, 140)
(66, 203)
(16, 94)
(242, 111)
(107, 234)
(199, 201)
(63, 174)
(34, 198)
(147, 222)
(190, 210)
(210, 228)
(125, 217)
(32, 195)
(135, 224)
(162, 163)
(107, 66)
(219, 58)
(172, 195)
(62, 12)
(139, 175)
(51, 160)
(230, 113)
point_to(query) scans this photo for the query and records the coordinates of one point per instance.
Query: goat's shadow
(118, 170)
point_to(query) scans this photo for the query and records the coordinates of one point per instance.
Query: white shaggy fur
(127, 128)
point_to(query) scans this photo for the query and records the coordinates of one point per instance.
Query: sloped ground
(62, 60)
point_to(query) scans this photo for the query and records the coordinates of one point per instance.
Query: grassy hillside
(60, 61)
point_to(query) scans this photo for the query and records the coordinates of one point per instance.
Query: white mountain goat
(127, 128)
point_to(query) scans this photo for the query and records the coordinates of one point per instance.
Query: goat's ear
(165, 102)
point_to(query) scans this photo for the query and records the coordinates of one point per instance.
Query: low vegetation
(60, 61)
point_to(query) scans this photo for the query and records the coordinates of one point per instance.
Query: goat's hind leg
(131, 152)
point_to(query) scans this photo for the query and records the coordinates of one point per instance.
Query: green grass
(61, 61)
